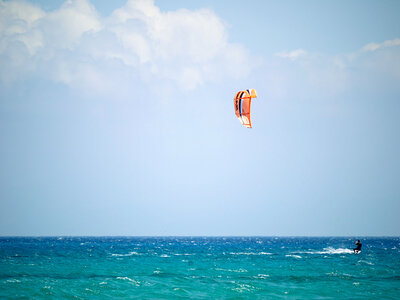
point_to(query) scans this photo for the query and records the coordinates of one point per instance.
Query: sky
(117, 118)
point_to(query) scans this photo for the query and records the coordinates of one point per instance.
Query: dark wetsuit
(358, 248)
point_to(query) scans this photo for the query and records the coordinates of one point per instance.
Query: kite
(242, 103)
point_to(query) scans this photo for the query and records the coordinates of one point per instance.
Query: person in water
(358, 248)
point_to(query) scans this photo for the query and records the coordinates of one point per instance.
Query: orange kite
(242, 103)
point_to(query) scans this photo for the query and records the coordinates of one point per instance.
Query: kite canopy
(242, 103)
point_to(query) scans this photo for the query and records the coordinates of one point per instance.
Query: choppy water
(199, 267)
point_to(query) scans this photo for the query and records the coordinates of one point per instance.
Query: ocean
(199, 268)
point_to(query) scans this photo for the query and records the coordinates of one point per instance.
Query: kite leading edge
(242, 103)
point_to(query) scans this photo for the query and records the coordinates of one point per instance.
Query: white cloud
(18, 17)
(293, 55)
(17, 22)
(385, 44)
(139, 46)
(65, 27)
(307, 74)
(187, 48)
(304, 73)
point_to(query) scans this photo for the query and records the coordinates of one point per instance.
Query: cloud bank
(136, 44)
(140, 47)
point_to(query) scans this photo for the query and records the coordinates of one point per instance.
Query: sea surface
(199, 268)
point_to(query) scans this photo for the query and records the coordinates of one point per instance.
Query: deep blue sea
(199, 268)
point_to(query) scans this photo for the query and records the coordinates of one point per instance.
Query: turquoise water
(199, 267)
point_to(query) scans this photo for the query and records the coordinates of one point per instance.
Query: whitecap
(134, 282)
(331, 250)
(292, 255)
(250, 253)
(232, 270)
(261, 276)
(241, 287)
(126, 254)
(337, 251)
(12, 280)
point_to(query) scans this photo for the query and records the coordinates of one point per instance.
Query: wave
(261, 276)
(331, 250)
(250, 253)
(232, 270)
(126, 254)
(292, 255)
(13, 280)
(133, 281)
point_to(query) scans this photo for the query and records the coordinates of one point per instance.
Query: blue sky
(117, 118)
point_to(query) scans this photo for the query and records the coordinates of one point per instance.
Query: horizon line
(196, 236)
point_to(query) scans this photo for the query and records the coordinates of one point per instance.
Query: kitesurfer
(358, 248)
